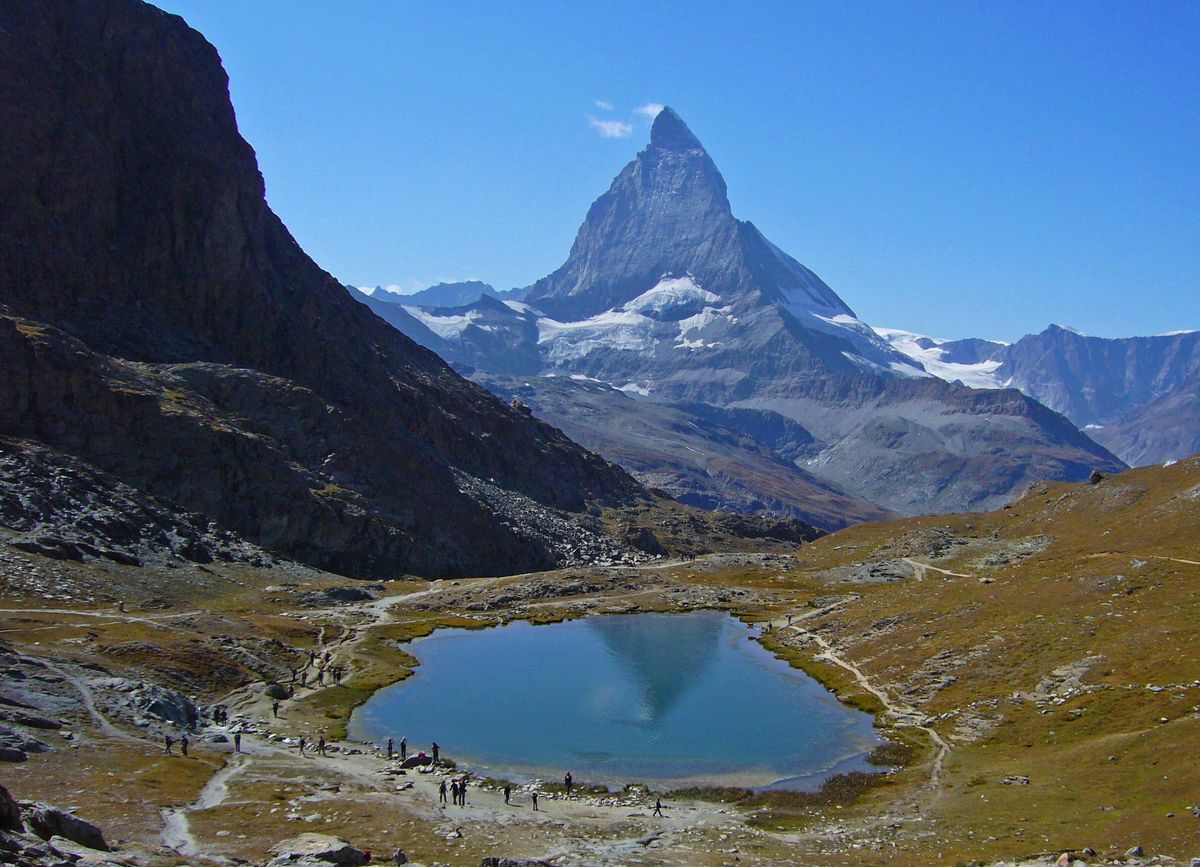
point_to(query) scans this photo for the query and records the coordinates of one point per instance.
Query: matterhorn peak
(669, 132)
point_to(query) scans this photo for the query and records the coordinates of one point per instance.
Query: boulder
(316, 849)
(10, 812)
(10, 754)
(47, 821)
(276, 690)
(417, 761)
(494, 861)
(165, 704)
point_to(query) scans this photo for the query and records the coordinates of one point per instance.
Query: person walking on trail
(183, 745)
(437, 751)
(301, 746)
(442, 793)
(403, 749)
(389, 748)
(167, 742)
(321, 746)
(567, 783)
(507, 793)
(658, 808)
(237, 742)
(304, 678)
(275, 708)
(533, 795)
(320, 677)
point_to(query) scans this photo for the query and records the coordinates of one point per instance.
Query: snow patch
(670, 293)
(613, 329)
(445, 327)
(916, 347)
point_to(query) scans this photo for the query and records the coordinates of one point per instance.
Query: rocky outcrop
(316, 849)
(48, 821)
(164, 327)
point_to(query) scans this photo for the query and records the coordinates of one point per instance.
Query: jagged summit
(669, 132)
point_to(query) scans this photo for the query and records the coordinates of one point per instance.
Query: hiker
(292, 669)
(567, 783)
(328, 655)
(337, 674)
(389, 748)
(291, 690)
(403, 749)
(237, 742)
(320, 677)
(321, 746)
(167, 742)
(454, 792)
(462, 793)
(658, 808)
(304, 678)
(507, 792)
(302, 746)
(534, 796)
(183, 745)
(312, 658)
(436, 752)
(442, 793)
(275, 708)
(789, 620)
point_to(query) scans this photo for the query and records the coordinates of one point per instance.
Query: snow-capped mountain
(665, 295)
(1093, 381)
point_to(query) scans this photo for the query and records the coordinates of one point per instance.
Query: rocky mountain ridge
(161, 325)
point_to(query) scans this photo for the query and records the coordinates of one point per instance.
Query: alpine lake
(669, 700)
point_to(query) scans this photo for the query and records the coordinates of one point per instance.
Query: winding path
(903, 714)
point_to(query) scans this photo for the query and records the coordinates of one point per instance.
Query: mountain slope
(665, 294)
(163, 325)
(696, 454)
(1162, 430)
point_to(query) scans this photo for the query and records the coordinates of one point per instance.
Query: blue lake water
(658, 698)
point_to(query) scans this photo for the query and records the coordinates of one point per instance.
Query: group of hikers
(323, 663)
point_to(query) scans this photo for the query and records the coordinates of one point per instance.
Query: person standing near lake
(237, 742)
(437, 751)
(442, 793)
(403, 748)
(567, 783)
(533, 796)
(389, 749)
(507, 792)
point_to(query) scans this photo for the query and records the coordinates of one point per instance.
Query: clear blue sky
(956, 168)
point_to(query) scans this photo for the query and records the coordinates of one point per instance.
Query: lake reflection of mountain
(665, 654)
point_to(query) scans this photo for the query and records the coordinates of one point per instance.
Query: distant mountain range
(1104, 385)
(667, 297)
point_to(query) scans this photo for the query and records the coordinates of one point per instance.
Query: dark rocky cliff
(162, 324)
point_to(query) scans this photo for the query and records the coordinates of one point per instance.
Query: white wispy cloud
(650, 109)
(611, 128)
(603, 105)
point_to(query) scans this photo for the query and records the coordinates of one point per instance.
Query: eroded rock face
(163, 326)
